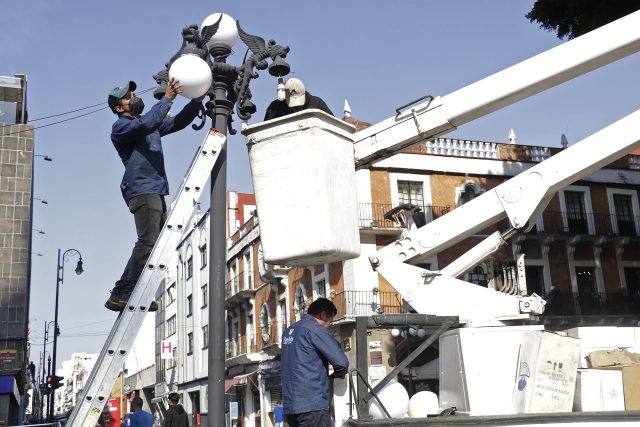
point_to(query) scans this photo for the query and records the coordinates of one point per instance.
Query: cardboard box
(631, 383)
(547, 370)
(599, 390)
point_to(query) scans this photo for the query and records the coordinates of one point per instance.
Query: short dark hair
(320, 305)
(137, 402)
(174, 397)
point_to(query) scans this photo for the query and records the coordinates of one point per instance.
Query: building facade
(582, 255)
(16, 177)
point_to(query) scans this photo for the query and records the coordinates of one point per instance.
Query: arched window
(189, 266)
(467, 192)
(479, 276)
(300, 301)
(265, 327)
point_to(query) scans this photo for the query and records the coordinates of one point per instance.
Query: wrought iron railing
(366, 303)
(592, 304)
(589, 223)
(371, 215)
(243, 281)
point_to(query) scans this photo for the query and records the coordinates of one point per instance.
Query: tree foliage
(572, 18)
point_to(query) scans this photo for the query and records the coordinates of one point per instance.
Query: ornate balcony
(366, 303)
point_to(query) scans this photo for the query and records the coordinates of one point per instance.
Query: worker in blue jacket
(136, 137)
(307, 349)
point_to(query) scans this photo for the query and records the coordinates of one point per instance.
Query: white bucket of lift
(303, 173)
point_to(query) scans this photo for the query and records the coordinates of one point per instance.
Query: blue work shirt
(140, 419)
(137, 140)
(307, 348)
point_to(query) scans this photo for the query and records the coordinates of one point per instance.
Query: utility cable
(101, 105)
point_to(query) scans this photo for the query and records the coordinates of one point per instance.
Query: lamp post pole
(56, 331)
(230, 87)
(224, 76)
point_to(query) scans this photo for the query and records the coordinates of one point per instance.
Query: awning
(241, 380)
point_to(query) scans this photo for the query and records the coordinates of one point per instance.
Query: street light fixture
(39, 231)
(44, 157)
(44, 202)
(230, 87)
(66, 256)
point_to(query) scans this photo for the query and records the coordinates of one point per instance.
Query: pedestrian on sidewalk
(176, 415)
(307, 349)
(139, 417)
(137, 139)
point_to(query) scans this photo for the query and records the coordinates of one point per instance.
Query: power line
(101, 105)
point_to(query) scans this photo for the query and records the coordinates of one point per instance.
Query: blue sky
(377, 54)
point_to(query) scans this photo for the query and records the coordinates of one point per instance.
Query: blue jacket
(139, 419)
(307, 348)
(137, 140)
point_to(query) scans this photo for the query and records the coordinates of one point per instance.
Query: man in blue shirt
(138, 417)
(136, 137)
(307, 349)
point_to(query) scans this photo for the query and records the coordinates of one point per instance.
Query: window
(283, 313)
(624, 214)
(300, 301)
(478, 276)
(576, 212)
(174, 358)
(190, 267)
(203, 256)
(171, 293)
(587, 290)
(320, 289)
(250, 331)
(535, 280)
(248, 274)
(189, 305)
(205, 296)
(205, 336)
(468, 193)
(190, 343)
(410, 192)
(264, 324)
(171, 326)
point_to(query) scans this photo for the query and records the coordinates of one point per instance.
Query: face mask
(136, 105)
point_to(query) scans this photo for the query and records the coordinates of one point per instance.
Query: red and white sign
(166, 349)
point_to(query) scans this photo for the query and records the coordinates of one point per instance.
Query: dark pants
(310, 419)
(149, 212)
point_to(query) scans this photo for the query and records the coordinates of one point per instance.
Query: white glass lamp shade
(395, 399)
(194, 75)
(423, 403)
(227, 33)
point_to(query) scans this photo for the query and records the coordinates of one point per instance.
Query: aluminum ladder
(124, 331)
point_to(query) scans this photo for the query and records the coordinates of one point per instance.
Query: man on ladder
(137, 138)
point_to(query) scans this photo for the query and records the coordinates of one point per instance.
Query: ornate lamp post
(66, 256)
(230, 87)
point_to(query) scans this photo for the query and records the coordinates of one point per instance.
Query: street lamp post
(66, 256)
(230, 87)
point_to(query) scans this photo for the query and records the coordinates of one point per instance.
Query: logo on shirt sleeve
(289, 338)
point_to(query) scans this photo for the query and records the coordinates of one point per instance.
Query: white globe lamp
(395, 332)
(395, 399)
(227, 33)
(194, 75)
(423, 403)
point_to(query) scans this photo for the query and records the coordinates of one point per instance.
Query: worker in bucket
(307, 349)
(296, 98)
(137, 139)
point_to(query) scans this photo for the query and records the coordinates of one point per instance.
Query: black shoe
(119, 295)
